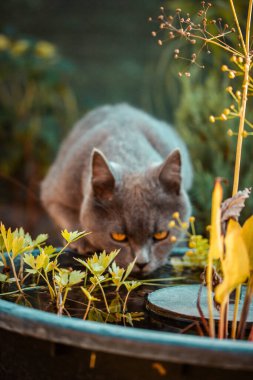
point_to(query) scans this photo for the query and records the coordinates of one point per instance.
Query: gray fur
(119, 170)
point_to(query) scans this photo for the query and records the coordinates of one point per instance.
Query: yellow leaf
(29, 259)
(88, 295)
(247, 234)
(17, 246)
(7, 237)
(216, 239)
(40, 259)
(235, 265)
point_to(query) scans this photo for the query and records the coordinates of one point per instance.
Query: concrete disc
(179, 302)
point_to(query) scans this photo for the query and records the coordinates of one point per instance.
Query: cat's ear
(169, 172)
(103, 181)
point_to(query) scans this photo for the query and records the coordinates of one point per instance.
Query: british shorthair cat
(120, 174)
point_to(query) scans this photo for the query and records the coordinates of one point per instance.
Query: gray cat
(119, 175)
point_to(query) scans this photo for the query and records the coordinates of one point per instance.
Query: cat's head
(131, 211)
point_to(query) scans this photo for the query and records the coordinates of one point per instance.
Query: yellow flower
(212, 119)
(20, 47)
(45, 49)
(4, 42)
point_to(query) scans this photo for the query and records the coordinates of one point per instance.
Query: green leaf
(49, 250)
(70, 237)
(32, 271)
(62, 278)
(131, 285)
(83, 263)
(116, 304)
(40, 239)
(129, 269)
(76, 276)
(99, 264)
(3, 277)
(29, 259)
(88, 294)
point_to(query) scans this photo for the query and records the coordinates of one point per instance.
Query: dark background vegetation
(104, 54)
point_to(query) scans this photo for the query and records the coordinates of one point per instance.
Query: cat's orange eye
(119, 237)
(161, 235)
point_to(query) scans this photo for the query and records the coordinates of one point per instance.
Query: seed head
(212, 119)
(192, 244)
(176, 51)
(229, 89)
(193, 42)
(187, 74)
(153, 34)
(230, 133)
(178, 10)
(238, 94)
(231, 74)
(240, 60)
(245, 134)
(172, 223)
(226, 111)
(223, 117)
(160, 42)
(224, 68)
(173, 239)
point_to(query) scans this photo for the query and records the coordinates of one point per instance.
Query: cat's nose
(141, 266)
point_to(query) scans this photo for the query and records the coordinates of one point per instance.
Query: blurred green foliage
(37, 105)
(211, 149)
(202, 95)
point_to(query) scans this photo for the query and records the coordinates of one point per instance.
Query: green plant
(37, 106)
(230, 244)
(33, 271)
